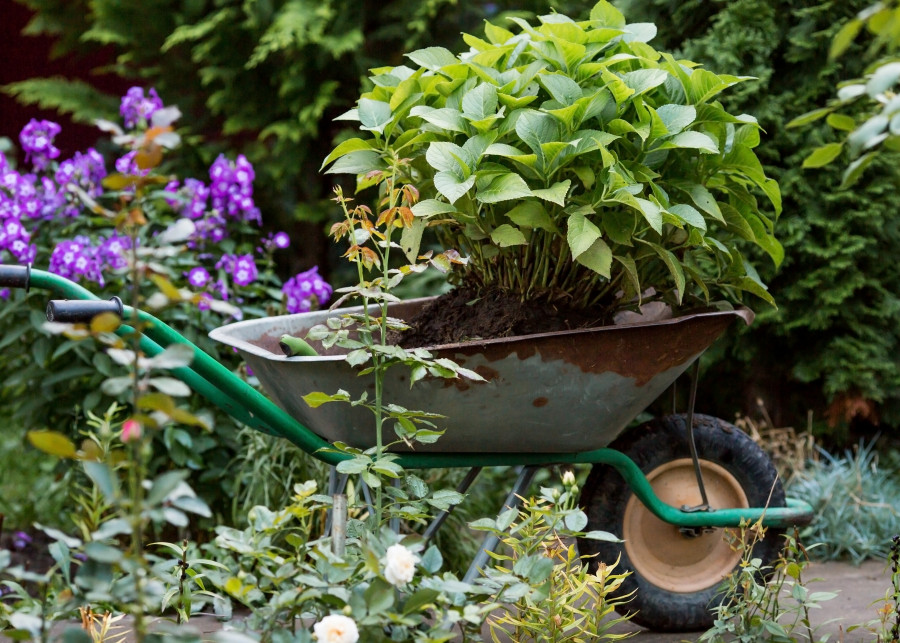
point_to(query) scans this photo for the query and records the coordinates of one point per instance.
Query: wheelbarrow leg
(337, 483)
(490, 542)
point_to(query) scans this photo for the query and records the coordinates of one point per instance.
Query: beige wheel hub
(660, 552)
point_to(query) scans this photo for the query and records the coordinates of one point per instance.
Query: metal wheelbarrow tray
(545, 393)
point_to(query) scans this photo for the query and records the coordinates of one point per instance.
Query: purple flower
(244, 271)
(87, 171)
(37, 141)
(231, 188)
(127, 165)
(73, 259)
(4, 294)
(112, 252)
(21, 540)
(136, 107)
(198, 277)
(281, 240)
(306, 290)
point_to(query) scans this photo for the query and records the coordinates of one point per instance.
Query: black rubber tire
(650, 445)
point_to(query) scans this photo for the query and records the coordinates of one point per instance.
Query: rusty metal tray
(561, 392)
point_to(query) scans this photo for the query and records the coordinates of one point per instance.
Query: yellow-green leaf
(822, 156)
(53, 443)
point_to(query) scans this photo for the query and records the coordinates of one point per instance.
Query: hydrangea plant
(573, 161)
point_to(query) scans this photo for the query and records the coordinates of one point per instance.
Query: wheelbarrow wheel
(676, 576)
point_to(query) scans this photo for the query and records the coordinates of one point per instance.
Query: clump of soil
(464, 315)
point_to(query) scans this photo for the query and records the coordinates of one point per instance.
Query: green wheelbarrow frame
(233, 395)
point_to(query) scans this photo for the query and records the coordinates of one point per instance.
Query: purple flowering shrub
(86, 218)
(47, 217)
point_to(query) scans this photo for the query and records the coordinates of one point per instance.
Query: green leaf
(581, 234)
(855, 170)
(447, 157)
(643, 80)
(170, 386)
(379, 597)
(841, 122)
(823, 155)
(429, 207)
(354, 465)
(598, 258)
(674, 266)
(317, 399)
(688, 214)
(423, 597)
(506, 235)
(504, 187)
(103, 553)
(704, 200)
(374, 114)
(810, 117)
(606, 15)
(556, 193)
(652, 213)
(506, 519)
(576, 521)
(359, 162)
(755, 287)
(433, 58)
(844, 38)
(531, 214)
(536, 128)
(692, 140)
(563, 89)
(630, 272)
(102, 478)
(452, 186)
(676, 117)
(350, 145)
(53, 443)
(411, 237)
(446, 118)
(164, 485)
(480, 103)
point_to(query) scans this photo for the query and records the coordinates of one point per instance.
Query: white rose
(399, 565)
(336, 628)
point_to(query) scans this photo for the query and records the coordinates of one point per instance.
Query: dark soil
(463, 315)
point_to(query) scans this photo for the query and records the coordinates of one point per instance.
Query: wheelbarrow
(667, 487)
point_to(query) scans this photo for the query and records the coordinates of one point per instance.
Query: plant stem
(136, 469)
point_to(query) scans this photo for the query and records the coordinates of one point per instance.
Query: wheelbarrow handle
(76, 310)
(14, 276)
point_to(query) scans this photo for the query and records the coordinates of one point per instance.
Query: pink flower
(131, 430)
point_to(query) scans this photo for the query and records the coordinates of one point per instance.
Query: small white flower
(336, 628)
(568, 479)
(399, 565)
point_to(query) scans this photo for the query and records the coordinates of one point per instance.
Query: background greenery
(831, 347)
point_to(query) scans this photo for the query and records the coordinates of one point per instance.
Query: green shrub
(832, 346)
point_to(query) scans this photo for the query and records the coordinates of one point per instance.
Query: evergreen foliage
(262, 78)
(832, 346)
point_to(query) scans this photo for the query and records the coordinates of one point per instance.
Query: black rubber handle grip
(15, 276)
(80, 311)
